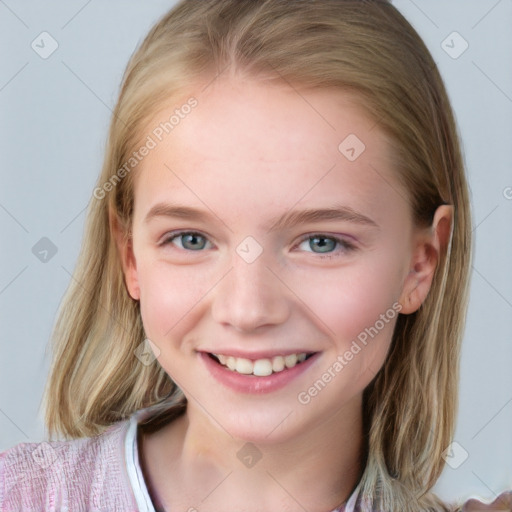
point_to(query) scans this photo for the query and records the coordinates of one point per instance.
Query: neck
(315, 470)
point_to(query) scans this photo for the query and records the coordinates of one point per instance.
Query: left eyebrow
(336, 213)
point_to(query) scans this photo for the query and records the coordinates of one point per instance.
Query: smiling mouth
(261, 367)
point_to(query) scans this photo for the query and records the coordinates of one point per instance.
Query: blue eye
(189, 240)
(327, 245)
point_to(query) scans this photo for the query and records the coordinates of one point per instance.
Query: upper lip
(257, 354)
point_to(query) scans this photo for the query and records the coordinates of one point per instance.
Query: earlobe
(427, 254)
(124, 244)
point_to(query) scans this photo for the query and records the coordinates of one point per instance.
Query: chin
(250, 424)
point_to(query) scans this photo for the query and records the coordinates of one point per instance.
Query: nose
(250, 296)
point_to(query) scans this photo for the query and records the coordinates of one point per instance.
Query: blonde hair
(363, 47)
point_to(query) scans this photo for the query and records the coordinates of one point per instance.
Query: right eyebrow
(176, 210)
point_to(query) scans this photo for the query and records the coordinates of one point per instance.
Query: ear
(429, 248)
(124, 243)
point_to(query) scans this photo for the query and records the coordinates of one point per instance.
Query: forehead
(244, 118)
(248, 141)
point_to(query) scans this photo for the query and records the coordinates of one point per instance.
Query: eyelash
(346, 246)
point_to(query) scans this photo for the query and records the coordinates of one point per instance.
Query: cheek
(348, 300)
(170, 298)
(357, 307)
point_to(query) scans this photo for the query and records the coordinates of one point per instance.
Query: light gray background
(53, 124)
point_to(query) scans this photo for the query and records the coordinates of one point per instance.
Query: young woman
(268, 307)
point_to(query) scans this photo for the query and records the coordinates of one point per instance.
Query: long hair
(367, 48)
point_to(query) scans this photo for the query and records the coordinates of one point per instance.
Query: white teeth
(290, 361)
(278, 364)
(244, 366)
(260, 367)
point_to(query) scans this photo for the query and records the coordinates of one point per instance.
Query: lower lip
(250, 383)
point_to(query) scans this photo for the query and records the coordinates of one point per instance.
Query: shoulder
(81, 474)
(502, 502)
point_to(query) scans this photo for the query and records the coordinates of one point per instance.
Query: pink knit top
(88, 474)
(95, 474)
(98, 474)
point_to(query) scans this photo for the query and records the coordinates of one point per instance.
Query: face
(264, 232)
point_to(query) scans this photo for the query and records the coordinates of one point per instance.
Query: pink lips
(253, 356)
(250, 383)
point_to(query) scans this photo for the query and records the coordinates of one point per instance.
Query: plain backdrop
(53, 124)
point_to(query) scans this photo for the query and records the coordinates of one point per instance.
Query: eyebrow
(287, 220)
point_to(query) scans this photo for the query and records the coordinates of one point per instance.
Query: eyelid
(169, 235)
(346, 242)
(348, 239)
